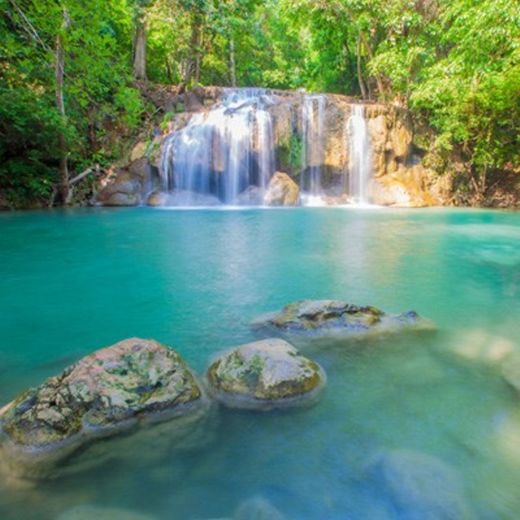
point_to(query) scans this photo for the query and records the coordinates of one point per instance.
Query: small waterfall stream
(313, 149)
(223, 151)
(360, 156)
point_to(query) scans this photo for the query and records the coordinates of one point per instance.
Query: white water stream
(227, 154)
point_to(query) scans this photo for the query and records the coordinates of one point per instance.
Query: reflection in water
(194, 280)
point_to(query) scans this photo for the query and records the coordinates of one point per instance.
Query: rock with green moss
(115, 389)
(331, 318)
(264, 375)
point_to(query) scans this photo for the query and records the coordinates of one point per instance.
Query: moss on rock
(332, 317)
(111, 390)
(264, 374)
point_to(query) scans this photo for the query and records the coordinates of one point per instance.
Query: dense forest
(72, 74)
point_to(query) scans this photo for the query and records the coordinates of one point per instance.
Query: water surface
(74, 281)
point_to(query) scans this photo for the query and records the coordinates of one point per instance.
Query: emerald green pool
(74, 281)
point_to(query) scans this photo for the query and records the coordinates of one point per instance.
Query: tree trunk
(361, 82)
(378, 77)
(60, 105)
(195, 44)
(140, 47)
(232, 64)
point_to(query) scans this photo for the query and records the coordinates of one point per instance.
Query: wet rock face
(331, 317)
(264, 374)
(418, 486)
(125, 190)
(282, 191)
(109, 391)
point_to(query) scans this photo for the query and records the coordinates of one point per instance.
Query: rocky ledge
(110, 391)
(331, 318)
(264, 375)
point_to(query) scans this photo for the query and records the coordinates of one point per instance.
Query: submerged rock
(419, 486)
(264, 375)
(511, 370)
(90, 512)
(282, 191)
(110, 391)
(257, 509)
(330, 318)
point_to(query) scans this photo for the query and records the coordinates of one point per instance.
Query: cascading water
(313, 150)
(224, 151)
(227, 153)
(360, 156)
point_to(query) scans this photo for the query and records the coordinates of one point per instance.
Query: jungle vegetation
(71, 72)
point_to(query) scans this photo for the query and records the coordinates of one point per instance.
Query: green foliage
(454, 63)
(166, 121)
(98, 94)
(290, 154)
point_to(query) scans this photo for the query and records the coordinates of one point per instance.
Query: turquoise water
(74, 281)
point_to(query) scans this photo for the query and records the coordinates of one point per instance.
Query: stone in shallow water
(331, 318)
(264, 375)
(419, 486)
(90, 512)
(112, 390)
(511, 370)
(257, 509)
(282, 191)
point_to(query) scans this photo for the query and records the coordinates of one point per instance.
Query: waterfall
(313, 150)
(223, 151)
(360, 155)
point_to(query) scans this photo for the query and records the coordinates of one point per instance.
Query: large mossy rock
(417, 486)
(282, 191)
(110, 391)
(324, 318)
(264, 375)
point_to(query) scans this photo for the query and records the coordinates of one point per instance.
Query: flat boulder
(113, 390)
(417, 486)
(264, 375)
(332, 318)
(282, 191)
